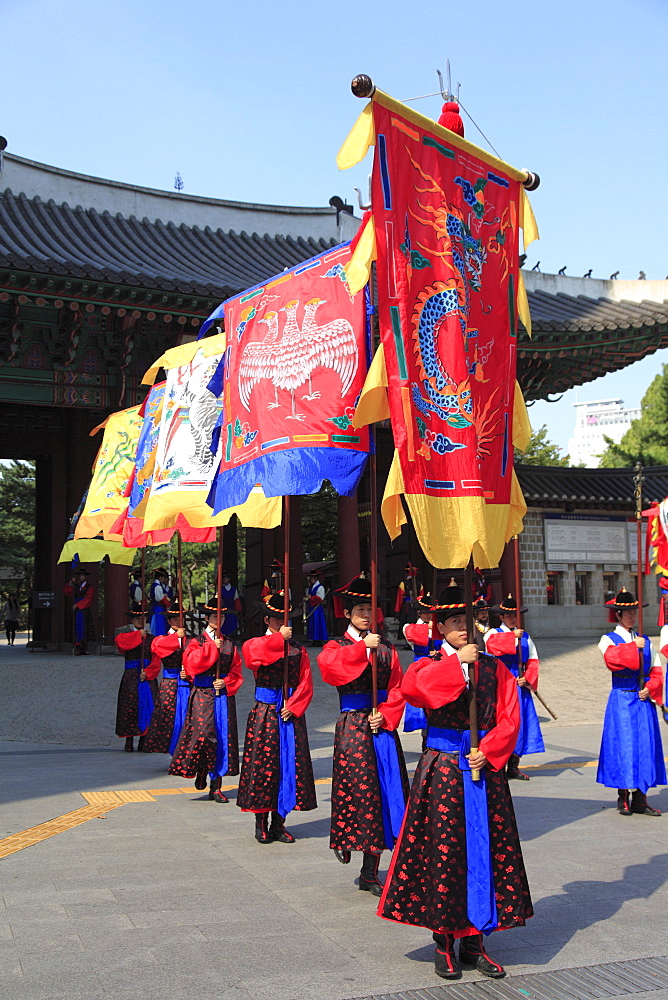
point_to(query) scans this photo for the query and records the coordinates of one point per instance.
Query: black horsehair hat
(211, 607)
(273, 606)
(451, 601)
(509, 607)
(624, 601)
(174, 609)
(358, 591)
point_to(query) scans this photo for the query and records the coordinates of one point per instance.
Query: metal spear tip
(531, 181)
(363, 86)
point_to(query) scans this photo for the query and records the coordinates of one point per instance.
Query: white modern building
(594, 421)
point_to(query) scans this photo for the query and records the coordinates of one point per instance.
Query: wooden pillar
(507, 567)
(296, 552)
(348, 539)
(116, 599)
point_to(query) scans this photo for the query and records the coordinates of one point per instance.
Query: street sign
(43, 598)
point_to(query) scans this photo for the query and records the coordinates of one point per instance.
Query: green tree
(17, 518)
(319, 524)
(540, 451)
(646, 440)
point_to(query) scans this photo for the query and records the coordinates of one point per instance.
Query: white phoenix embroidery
(288, 359)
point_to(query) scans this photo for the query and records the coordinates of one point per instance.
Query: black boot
(277, 830)
(342, 856)
(215, 794)
(141, 745)
(623, 804)
(472, 952)
(639, 804)
(513, 769)
(369, 874)
(445, 963)
(129, 744)
(200, 781)
(261, 831)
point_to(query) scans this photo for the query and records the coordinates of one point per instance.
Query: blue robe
(530, 737)
(316, 626)
(631, 753)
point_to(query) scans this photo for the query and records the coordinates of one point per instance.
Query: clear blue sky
(250, 101)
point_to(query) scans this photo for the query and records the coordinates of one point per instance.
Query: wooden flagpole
(219, 586)
(179, 581)
(286, 592)
(470, 636)
(638, 480)
(373, 567)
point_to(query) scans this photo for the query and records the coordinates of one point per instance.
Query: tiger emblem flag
(295, 363)
(445, 222)
(180, 455)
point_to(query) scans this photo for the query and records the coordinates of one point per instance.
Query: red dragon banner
(446, 225)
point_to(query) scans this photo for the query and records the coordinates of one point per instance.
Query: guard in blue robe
(316, 623)
(515, 647)
(631, 756)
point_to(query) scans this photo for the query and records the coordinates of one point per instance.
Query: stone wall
(579, 620)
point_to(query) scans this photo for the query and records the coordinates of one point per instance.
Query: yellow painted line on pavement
(36, 834)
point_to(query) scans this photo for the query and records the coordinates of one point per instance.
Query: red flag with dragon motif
(445, 222)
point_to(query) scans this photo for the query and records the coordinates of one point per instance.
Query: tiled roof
(589, 488)
(568, 313)
(55, 239)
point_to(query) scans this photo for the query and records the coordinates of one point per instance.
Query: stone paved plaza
(169, 896)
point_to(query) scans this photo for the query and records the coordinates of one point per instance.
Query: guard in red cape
(82, 593)
(276, 770)
(425, 639)
(369, 780)
(174, 688)
(209, 741)
(516, 648)
(457, 868)
(138, 691)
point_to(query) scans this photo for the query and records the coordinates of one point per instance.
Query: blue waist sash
(180, 711)
(145, 699)
(393, 803)
(287, 771)
(203, 680)
(627, 680)
(359, 701)
(134, 664)
(79, 625)
(169, 674)
(480, 893)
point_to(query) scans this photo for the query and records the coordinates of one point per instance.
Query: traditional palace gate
(98, 278)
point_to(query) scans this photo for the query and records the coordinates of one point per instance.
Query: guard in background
(174, 689)
(457, 868)
(425, 640)
(408, 591)
(209, 742)
(316, 622)
(138, 691)
(369, 780)
(631, 757)
(82, 593)
(232, 603)
(516, 648)
(481, 615)
(161, 596)
(135, 593)
(276, 770)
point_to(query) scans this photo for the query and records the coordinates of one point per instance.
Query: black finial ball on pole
(532, 181)
(363, 86)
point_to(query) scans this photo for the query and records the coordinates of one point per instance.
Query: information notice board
(583, 538)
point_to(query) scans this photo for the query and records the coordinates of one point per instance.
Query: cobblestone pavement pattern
(172, 897)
